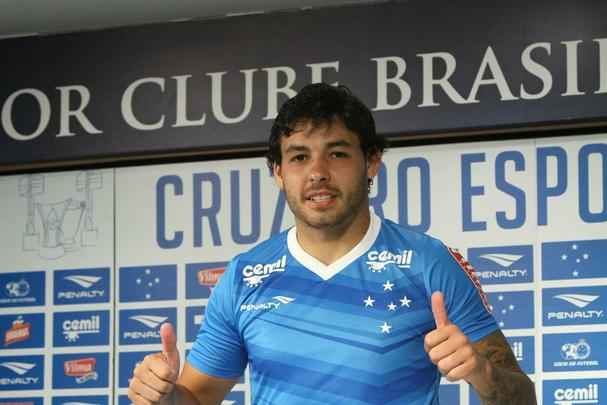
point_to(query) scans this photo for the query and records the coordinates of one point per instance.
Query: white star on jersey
(388, 286)
(385, 328)
(404, 302)
(391, 307)
(369, 301)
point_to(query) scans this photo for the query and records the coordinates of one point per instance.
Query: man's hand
(154, 379)
(449, 348)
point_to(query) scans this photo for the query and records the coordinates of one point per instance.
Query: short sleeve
(218, 350)
(465, 301)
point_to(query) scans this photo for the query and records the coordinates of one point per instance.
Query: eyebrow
(330, 145)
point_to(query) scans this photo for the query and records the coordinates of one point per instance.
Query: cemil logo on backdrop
(90, 328)
(148, 283)
(201, 278)
(574, 259)
(81, 286)
(574, 305)
(81, 400)
(142, 326)
(502, 264)
(574, 392)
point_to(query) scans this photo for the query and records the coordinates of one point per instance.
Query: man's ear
(373, 164)
(276, 170)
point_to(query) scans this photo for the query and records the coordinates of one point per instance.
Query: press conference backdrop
(94, 261)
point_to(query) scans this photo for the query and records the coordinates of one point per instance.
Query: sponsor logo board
(21, 373)
(201, 278)
(142, 326)
(574, 305)
(80, 370)
(574, 392)
(81, 286)
(84, 328)
(81, 400)
(523, 348)
(194, 319)
(148, 283)
(22, 331)
(512, 309)
(576, 259)
(128, 362)
(22, 289)
(503, 264)
(575, 351)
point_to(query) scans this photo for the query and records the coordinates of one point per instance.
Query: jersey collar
(327, 271)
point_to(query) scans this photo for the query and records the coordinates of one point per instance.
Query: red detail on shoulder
(469, 270)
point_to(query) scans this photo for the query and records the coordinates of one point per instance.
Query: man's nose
(319, 171)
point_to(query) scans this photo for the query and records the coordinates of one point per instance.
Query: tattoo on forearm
(510, 386)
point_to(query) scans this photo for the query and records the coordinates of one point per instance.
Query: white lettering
(383, 81)
(274, 90)
(443, 82)
(537, 70)
(126, 105)
(66, 112)
(572, 75)
(7, 114)
(317, 68)
(497, 78)
(181, 108)
(216, 96)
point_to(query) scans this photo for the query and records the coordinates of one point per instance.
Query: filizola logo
(20, 369)
(574, 396)
(253, 275)
(378, 261)
(73, 328)
(151, 321)
(266, 306)
(579, 300)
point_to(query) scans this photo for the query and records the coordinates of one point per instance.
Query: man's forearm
(506, 387)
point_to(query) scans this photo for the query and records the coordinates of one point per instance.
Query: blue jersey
(348, 333)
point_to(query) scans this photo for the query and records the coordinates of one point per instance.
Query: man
(344, 308)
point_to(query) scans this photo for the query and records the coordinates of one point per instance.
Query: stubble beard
(335, 217)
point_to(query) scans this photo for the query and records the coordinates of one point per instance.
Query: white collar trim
(327, 271)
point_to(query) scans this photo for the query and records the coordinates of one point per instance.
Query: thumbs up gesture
(449, 348)
(154, 379)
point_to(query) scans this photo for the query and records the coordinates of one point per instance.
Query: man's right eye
(298, 158)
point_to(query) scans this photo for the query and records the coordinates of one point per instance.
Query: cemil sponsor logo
(579, 300)
(20, 369)
(253, 275)
(574, 396)
(82, 369)
(266, 306)
(517, 349)
(378, 261)
(19, 332)
(73, 328)
(210, 277)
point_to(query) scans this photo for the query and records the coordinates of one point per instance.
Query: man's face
(324, 175)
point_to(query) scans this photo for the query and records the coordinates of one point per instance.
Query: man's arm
(489, 364)
(196, 388)
(501, 380)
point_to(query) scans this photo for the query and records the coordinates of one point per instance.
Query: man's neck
(330, 244)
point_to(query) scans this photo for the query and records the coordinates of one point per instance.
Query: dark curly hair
(321, 103)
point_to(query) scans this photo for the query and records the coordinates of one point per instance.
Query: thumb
(438, 309)
(169, 346)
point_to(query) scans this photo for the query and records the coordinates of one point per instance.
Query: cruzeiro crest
(54, 228)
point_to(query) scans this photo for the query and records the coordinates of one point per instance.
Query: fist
(449, 348)
(154, 378)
